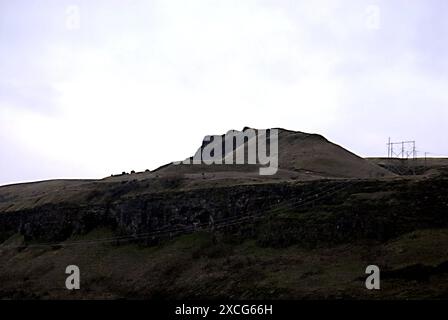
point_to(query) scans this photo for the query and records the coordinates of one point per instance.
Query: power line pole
(388, 149)
(414, 150)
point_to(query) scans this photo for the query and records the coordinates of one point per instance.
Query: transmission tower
(402, 149)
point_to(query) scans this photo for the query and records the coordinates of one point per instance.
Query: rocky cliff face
(133, 215)
(319, 211)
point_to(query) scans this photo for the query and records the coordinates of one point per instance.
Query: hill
(302, 157)
(225, 231)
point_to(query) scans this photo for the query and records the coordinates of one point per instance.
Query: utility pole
(414, 151)
(402, 150)
(388, 149)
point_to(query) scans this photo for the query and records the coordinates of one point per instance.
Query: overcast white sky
(90, 88)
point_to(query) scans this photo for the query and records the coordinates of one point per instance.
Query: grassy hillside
(307, 250)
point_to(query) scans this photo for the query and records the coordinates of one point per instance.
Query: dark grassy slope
(309, 240)
(193, 266)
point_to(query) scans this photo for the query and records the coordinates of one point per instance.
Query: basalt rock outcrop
(337, 211)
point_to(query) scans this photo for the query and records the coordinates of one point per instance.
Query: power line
(197, 227)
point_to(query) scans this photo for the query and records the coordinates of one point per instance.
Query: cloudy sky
(89, 88)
